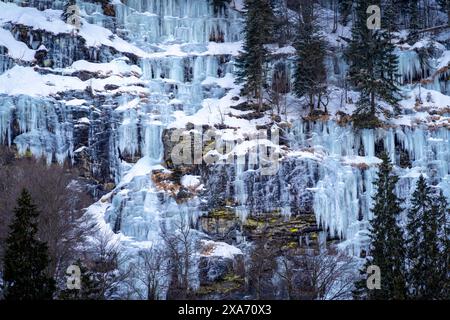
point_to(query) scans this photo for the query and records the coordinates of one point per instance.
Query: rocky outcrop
(221, 270)
(222, 224)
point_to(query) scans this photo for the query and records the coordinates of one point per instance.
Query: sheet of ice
(128, 105)
(142, 168)
(173, 21)
(444, 60)
(359, 160)
(237, 4)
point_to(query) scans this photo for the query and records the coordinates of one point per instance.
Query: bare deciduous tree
(106, 262)
(180, 250)
(148, 272)
(60, 198)
(328, 274)
(262, 268)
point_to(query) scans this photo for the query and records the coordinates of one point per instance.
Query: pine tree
(390, 19)
(372, 68)
(282, 27)
(414, 21)
(440, 288)
(310, 73)
(252, 62)
(345, 8)
(387, 248)
(431, 255)
(421, 204)
(427, 244)
(26, 258)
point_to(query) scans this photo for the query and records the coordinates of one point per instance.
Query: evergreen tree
(283, 30)
(345, 8)
(387, 248)
(310, 73)
(26, 258)
(431, 255)
(372, 68)
(420, 207)
(252, 62)
(427, 244)
(390, 19)
(441, 286)
(414, 21)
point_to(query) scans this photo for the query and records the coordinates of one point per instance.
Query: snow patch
(219, 249)
(50, 20)
(190, 181)
(115, 67)
(16, 49)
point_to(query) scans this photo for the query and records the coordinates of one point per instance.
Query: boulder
(219, 260)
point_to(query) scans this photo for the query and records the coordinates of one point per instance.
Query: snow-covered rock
(218, 260)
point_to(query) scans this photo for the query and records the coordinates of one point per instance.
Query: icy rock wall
(39, 4)
(41, 126)
(342, 196)
(187, 21)
(424, 69)
(60, 50)
(180, 78)
(131, 131)
(88, 131)
(191, 24)
(175, 81)
(6, 62)
(331, 173)
(59, 132)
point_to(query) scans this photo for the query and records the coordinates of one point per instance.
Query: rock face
(110, 97)
(218, 260)
(221, 271)
(222, 224)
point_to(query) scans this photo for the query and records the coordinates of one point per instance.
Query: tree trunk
(260, 99)
(372, 103)
(319, 100)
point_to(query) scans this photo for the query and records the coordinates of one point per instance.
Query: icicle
(193, 21)
(45, 127)
(240, 192)
(409, 66)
